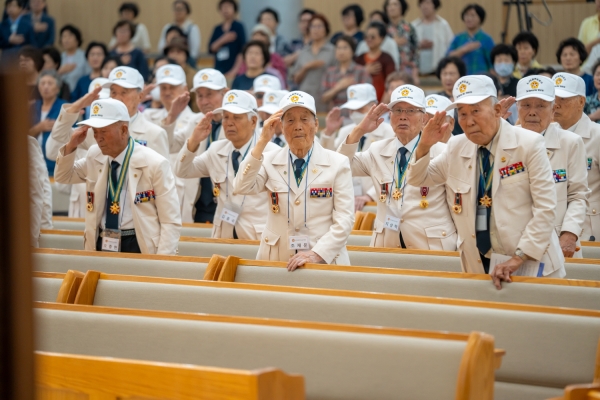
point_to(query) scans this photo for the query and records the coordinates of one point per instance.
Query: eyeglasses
(410, 112)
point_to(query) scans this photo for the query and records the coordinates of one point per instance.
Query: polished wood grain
(87, 290)
(376, 330)
(59, 218)
(69, 287)
(361, 233)
(51, 275)
(352, 294)
(367, 222)
(369, 249)
(476, 373)
(213, 269)
(358, 218)
(229, 269)
(103, 377)
(597, 369)
(580, 392)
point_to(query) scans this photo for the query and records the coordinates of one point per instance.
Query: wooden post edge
(87, 289)
(274, 384)
(229, 269)
(69, 287)
(476, 373)
(213, 268)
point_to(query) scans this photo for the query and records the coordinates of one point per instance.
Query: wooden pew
(583, 269)
(581, 392)
(71, 281)
(521, 376)
(524, 290)
(336, 360)
(61, 376)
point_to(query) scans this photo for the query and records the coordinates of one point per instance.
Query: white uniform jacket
(328, 219)
(141, 129)
(362, 185)
(524, 204)
(216, 164)
(40, 191)
(566, 152)
(428, 228)
(590, 133)
(157, 222)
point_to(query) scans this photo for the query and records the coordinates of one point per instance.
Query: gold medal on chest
(114, 208)
(397, 194)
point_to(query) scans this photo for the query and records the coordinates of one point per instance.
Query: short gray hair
(53, 74)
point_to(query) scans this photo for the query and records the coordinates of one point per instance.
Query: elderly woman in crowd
(95, 54)
(450, 70)
(129, 12)
(181, 18)
(31, 63)
(434, 34)
(314, 59)
(45, 111)
(73, 63)
(276, 65)
(256, 57)
(343, 74)
(571, 54)
(404, 35)
(129, 54)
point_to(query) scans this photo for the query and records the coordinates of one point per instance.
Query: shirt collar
(119, 158)
(410, 146)
(245, 147)
(574, 127)
(493, 144)
(132, 119)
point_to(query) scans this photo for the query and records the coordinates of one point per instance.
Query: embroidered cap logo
(462, 88)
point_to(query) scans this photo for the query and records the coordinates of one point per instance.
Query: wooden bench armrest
(69, 287)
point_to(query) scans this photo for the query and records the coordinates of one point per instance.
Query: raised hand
(432, 133)
(333, 121)
(179, 104)
(85, 101)
(77, 138)
(506, 104)
(201, 132)
(271, 126)
(370, 122)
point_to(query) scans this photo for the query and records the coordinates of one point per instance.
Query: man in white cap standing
(407, 216)
(236, 216)
(361, 98)
(309, 189)
(270, 106)
(131, 197)
(435, 103)
(570, 101)
(198, 204)
(262, 84)
(499, 186)
(566, 151)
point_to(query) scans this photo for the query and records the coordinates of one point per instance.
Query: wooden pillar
(16, 318)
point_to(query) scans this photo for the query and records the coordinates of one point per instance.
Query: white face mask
(155, 93)
(356, 117)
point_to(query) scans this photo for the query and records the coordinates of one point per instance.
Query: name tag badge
(481, 220)
(392, 223)
(111, 240)
(229, 216)
(300, 242)
(223, 54)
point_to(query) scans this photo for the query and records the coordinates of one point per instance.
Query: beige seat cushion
(122, 266)
(196, 232)
(513, 391)
(590, 252)
(68, 242)
(46, 289)
(336, 365)
(586, 272)
(405, 261)
(68, 225)
(198, 249)
(538, 354)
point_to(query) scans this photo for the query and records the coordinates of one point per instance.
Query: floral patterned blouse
(409, 57)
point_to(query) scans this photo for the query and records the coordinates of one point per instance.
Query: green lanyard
(115, 194)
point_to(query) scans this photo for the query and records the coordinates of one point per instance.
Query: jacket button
(473, 235)
(266, 240)
(297, 202)
(469, 167)
(297, 229)
(479, 261)
(594, 211)
(458, 189)
(402, 220)
(444, 233)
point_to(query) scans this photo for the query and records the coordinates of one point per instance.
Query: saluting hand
(177, 106)
(77, 138)
(333, 121)
(270, 127)
(506, 104)
(302, 258)
(201, 132)
(85, 101)
(432, 133)
(370, 122)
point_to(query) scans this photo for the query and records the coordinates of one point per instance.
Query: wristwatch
(519, 253)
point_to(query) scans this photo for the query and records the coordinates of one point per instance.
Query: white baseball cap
(298, 99)
(209, 78)
(271, 101)
(265, 82)
(537, 86)
(106, 112)
(96, 83)
(238, 102)
(472, 89)
(568, 85)
(170, 74)
(435, 103)
(359, 96)
(408, 94)
(126, 77)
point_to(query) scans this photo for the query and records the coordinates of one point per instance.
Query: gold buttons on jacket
(266, 240)
(473, 235)
(297, 202)
(503, 159)
(594, 211)
(444, 233)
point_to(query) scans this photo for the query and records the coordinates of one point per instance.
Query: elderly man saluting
(131, 198)
(498, 183)
(309, 188)
(566, 151)
(240, 217)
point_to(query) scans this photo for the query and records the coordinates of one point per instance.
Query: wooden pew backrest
(60, 375)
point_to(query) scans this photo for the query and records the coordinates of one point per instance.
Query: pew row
(58, 376)
(581, 392)
(532, 368)
(524, 290)
(337, 361)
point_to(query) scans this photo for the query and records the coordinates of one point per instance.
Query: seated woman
(527, 45)
(73, 63)
(129, 54)
(276, 66)
(45, 111)
(343, 74)
(571, 55)
(95, 54)
(256, 57)
(377, 63)
(592, 101)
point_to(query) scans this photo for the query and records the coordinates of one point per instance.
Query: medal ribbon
(485, 175)
(115, 194)
(401, 174)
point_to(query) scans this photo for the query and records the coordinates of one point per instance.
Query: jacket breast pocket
(269, 246)
(457, 193)
(275, 186)
(442, 237)
(523, 176)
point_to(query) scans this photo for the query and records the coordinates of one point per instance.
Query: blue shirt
(226, 55)
(137, 61)
(590, 89)
(81, 89)
(477, 61)
(21, 26)
(243, 82)
(42, 39)
(36, 114)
